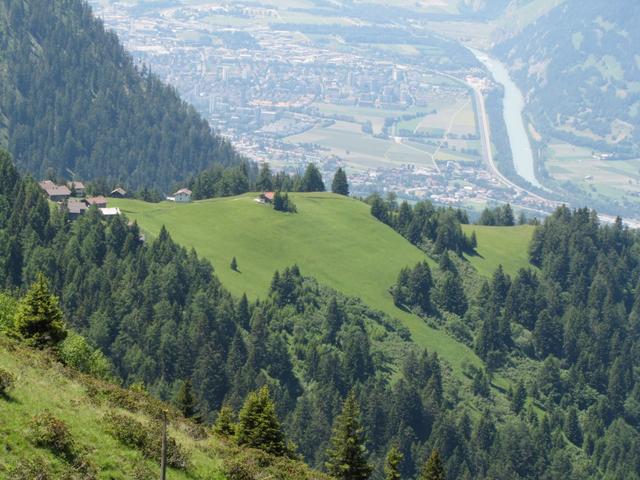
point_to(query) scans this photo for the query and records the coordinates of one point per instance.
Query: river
(513, 105)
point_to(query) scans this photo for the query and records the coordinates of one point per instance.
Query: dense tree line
(162, 318)
(74, 100)
(436, 229)
(498, 216)
(220, 181)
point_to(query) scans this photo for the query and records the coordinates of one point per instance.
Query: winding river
(513, 105)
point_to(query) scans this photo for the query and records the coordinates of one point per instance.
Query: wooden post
(163, 459)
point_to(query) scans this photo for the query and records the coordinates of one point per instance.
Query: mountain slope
(579, 67)
(332, 238)
(72, 100)
(85, 404)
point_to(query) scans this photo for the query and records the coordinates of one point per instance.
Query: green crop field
(506, 246)
(360, 150)
(332, 238)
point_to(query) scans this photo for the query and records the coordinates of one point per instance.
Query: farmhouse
(77, 188)
(99, 201)
(266, 197)
(76, 208)
(56, 193)
(181, 196)
(118, 193)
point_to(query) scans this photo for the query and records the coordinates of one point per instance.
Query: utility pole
(163, 459)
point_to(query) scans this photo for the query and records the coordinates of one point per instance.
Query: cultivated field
(362, 151)
(612, 178)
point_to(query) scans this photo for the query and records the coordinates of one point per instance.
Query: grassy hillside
(506, 246)
(331, 238)
(42, 385)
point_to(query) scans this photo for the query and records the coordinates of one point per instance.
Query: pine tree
(312, 180)
(433, 469)
(340, 184)
(392, 464)
(225, 425)
(347, 454)
(572, 428)
(258, 425)
(185, 400)
(519, 398)
(242, 312)
(333, 320)
(507, 217)
(450, 294)
(234, 264)
(39, 319)
(265, 179)
(379, 209)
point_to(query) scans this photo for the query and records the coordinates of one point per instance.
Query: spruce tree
(258, 425)
(519, 398)
(392, 464)
(340, 184)
(39, 319)
(234, 264)
(347, 454)
(572, 428)
(333, 320)
(265, 179)
(312, 180)
(225, 422)
(185, 400)
(433, 469)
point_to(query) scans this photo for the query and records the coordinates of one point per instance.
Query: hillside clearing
(331, 238)
(506, 246)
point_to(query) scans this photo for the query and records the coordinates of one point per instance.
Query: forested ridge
(72, 100)
(563, 335)
(593, 51)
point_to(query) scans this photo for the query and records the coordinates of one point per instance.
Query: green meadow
(331, 238)
(44, 385)
(506, 246)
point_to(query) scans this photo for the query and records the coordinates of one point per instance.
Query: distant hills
(579, 67)
(72, 101)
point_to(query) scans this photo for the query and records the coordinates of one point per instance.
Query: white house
(181, 196)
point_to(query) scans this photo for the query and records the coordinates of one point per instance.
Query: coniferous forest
(565, 331)
(72, 100)
(306, 371)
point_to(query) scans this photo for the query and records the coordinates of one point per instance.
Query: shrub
(8, 306)
(254, 464)
(147, 438)
(76, 352)
(225, 423)
(47, 431)
(29, 469)
(39, 318)
(7, 379)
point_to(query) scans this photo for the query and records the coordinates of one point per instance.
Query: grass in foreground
(42, 384)
(85, 404)
(331, 238)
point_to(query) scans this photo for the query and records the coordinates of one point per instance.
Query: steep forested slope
(51, 401)
(71, 99)
(579, 68)
(558, 396)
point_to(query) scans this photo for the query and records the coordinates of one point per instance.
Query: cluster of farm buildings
(72, 197)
